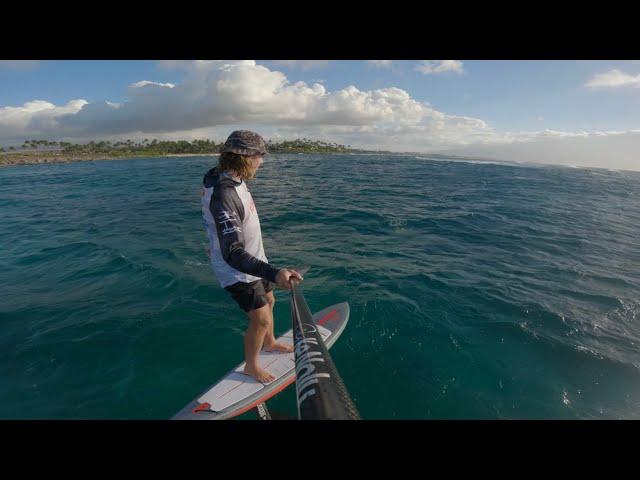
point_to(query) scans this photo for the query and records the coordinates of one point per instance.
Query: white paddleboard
(237, 393)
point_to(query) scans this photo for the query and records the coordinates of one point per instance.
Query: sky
(581, 113)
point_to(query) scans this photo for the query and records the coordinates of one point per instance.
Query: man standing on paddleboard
(235, 240)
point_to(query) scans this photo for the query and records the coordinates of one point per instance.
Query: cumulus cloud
(217, 96)
(35, 117)
(613, 79)
(380, 63)
(431, 67)
(242, 92)
(303, 64)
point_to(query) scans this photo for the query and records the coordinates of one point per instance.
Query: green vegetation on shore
(155, 147)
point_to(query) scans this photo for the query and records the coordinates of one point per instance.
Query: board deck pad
(236, 392)
(237, 386)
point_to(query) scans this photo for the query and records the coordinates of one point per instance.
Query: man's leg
(270, 343)
(269, 338)
(259, 321)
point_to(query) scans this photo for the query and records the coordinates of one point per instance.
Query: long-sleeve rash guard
(233, 228)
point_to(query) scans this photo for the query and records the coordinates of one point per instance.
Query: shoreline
(17, 159)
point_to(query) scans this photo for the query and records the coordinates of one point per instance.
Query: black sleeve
(228, 212)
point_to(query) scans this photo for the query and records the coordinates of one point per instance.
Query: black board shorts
(250, 296)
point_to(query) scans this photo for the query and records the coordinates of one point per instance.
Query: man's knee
(260, 317)
(271, 300)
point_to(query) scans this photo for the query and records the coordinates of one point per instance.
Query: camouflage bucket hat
(245, 142)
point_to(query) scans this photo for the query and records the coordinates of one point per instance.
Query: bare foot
(278, 347)
(259, 374)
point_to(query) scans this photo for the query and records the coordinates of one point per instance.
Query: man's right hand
(284, 276)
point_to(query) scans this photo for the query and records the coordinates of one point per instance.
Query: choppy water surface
(476, 290)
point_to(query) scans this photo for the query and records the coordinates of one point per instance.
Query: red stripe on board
(326, 318)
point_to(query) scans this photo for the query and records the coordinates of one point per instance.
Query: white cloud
(18, 64)
(34, 118)
(430, 67)
(144, 83)
(380, 63)
(221, 93)
(225, 93)
(613, 79)
(303, 64)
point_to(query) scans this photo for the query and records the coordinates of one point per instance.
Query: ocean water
(477, 291)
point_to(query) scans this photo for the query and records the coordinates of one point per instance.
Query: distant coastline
(42, 151)
(35, 158)
(34, 152)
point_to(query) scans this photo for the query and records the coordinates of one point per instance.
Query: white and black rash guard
(233, 228)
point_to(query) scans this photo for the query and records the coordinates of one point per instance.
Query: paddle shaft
(321, 393)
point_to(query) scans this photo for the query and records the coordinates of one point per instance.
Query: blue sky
(510, 99)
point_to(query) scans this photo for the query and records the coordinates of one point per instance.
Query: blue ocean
(477, 290)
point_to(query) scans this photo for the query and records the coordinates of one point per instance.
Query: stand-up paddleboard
(238, 393)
